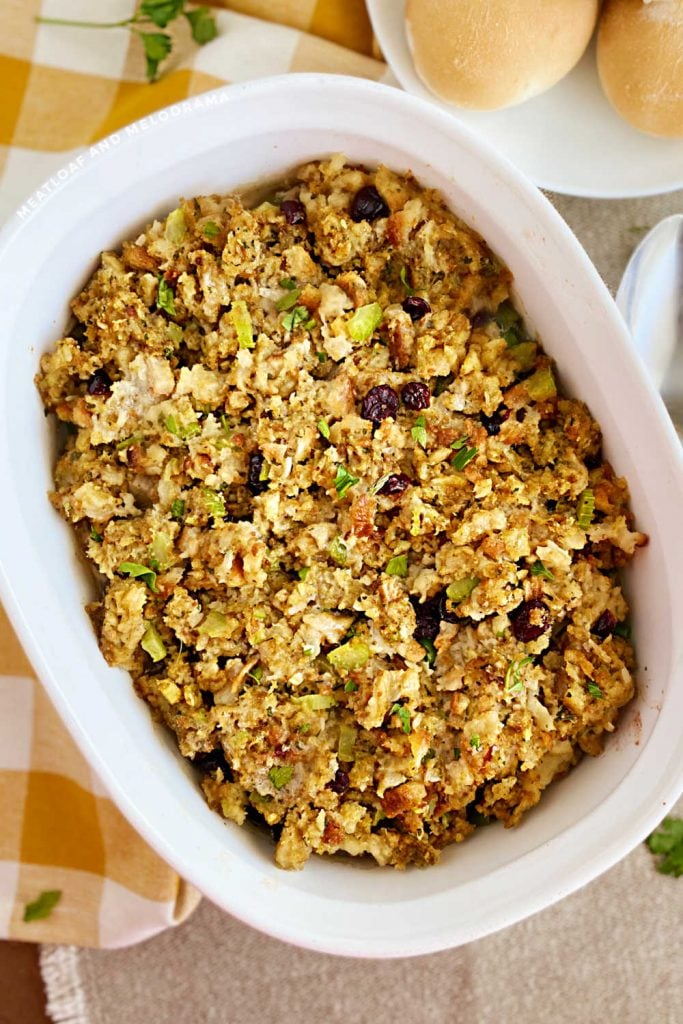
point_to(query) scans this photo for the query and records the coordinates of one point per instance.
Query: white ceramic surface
(568, 140)
(255, 131)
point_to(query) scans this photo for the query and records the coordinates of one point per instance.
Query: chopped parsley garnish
(595, 691)
(288, 300)
(430, 649)
(299, 316)
(324, 428)
(280, 775)
(303, 573)
(152, 643)
(585, 509)
(322, 357)
(241, 321)
(404, 281)
(350, 687)
(667, 842)
(42, 906)
(513, 676)
(538, 569)
(214, 503)
(178, 509)
(286, 282)
(142, 572)
(419, 432)
(256, 674)
(184, 431)
(362, 324)
(210, 229)
(475, 742)
(397, 566)
(94, 535)
(344, 480)
(165, 297)
(403, 714)
(462, 457)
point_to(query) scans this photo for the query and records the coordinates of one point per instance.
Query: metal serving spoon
(650, 298)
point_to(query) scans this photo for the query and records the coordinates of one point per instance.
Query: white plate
(569, 139)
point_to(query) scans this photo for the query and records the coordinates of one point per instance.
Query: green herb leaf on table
(42, 906)
(157, 46)
(161, 11)
(202, 25)
(667, 842)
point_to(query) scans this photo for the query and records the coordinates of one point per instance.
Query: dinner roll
(640, 61)
(485, 54)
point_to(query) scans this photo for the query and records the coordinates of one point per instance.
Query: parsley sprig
(667, 841)
(157, 13)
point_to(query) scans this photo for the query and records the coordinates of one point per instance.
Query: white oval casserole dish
(216, 143)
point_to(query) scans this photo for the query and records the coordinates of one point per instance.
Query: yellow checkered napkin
(60, 90)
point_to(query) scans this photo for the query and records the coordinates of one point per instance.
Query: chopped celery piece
(339, 552)
(343, 481)
(419, 432)
(347, 743)
(585, 509)
(303, 573)
(525, 354)
(350, 656)
(214, 625)
(141, 572)
(397, 566)
(403, 714)
(165, 297)
(362, 324)
(506, 315)
(541, 385)
(152, 643)
(460, 589)
(288, 300)
(280, 775)
(161, 551)
(241, 320)
(315, 701)
(214, 503)
(178, 509)
(176, 229)
(210, 229)
(324, 428)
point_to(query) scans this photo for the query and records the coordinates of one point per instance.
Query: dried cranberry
(427, 618)
(379, 403)
(294, 211)
(367, 204)
(494, 422)
(416, 307)
(551, 504)
(480, 318)
(604, 625)
(530, 620)
(254, 482)
(99, 383)
(416, 395)
(340, 783)
(395, 484)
